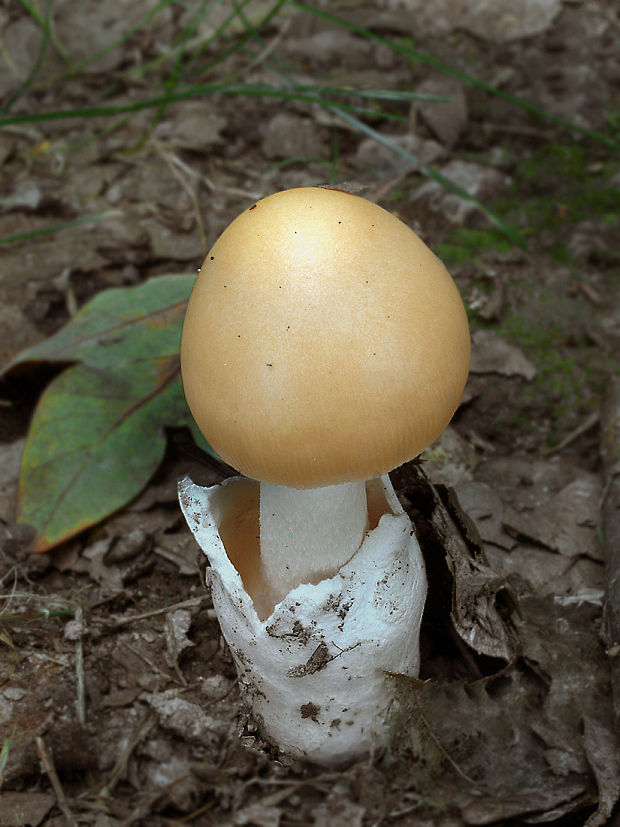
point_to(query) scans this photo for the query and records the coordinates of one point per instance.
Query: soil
(119, 702)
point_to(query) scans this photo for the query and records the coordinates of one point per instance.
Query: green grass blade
(30, 617)
(178, 48)
(296, 159)
(170, 83)
(391, 95)
(46, 27)
(249, 34)
(182, 66)
(463, 76)
(186, 35)
(40, 20)
(34, 12)
(513, 234)
(372, 94)
(119, 42)
(6, 751)
(54, 228)
(104, 111)
(244, 89)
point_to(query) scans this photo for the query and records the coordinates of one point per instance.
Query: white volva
(313, 671)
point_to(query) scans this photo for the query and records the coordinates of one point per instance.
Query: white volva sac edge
(313, 671)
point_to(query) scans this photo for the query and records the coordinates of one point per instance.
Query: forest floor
(118, 698)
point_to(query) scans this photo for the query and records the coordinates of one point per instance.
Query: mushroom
(324, 345)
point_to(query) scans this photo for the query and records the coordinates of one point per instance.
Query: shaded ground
(133, 696)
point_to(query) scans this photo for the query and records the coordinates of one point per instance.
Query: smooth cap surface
(323, 342)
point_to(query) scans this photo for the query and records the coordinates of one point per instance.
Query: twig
(6, 638)
(153, 666)
(585, 426)
(79, 670)
(192, 173)
(48, 765)
(116, 622)
(144, 809)
(250, 194)
(105, 788)
(172, 642)
(262, 56)
(185, 184)
(432, 735)
(512, 129)
(9, 597)
(381, 189)
(223, 697)
(200, 811)
(43, 598)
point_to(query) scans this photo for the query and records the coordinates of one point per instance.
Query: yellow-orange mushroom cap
(323, 341)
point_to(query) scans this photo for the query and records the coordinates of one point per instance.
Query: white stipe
(309, 534)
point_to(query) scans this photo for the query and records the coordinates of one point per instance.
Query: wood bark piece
(610, 525)
(481, 600)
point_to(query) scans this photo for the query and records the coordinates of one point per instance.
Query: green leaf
(119, 325)
(97, 435)
(95, 440)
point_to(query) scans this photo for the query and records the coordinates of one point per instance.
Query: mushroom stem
(313, 669)
(308, 534)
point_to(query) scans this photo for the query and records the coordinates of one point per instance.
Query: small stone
(290, 136)
(446, 120)
(74, 630)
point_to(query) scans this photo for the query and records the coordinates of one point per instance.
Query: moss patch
(582, 190)
(571, 373)
(465, 246)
